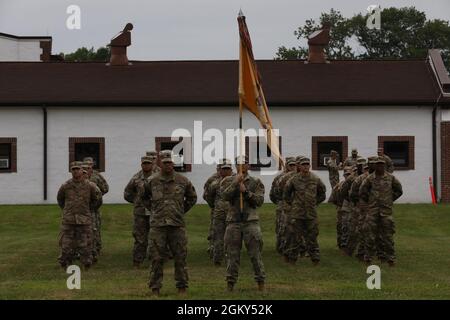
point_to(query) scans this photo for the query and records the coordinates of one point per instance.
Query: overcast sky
(183, 29)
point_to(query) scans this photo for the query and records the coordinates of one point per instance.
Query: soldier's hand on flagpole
(242, 187)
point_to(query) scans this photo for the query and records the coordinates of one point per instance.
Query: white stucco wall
(130, 131)
(19, 49)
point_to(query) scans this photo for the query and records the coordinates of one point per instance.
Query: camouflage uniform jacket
(335, 196)
(210, 180)
(216, 200)
(303, 194)
(156, 169)
(78, 200)
(273, 190)
(389, 163)
(168, 198)
(333, 167)
(380, 192)
(101, 183)
(350, 162)
(253, 198)
(354, 189)
(133, 192)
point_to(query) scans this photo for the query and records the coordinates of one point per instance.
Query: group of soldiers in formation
(161, 197)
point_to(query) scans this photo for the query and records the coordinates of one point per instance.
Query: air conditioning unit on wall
(4, 163)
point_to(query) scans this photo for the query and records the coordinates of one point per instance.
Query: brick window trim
(314, 149)
(75, 140)
(411, 148)
(13, 143)
(254, 167)
(159, 140)
(445, 161)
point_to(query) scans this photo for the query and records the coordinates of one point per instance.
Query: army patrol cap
(147, 159)
(243, 161)
(89, 160)
(372, 159)
(76, 165)
(86, 165)
(226, 164)
(304, 160)
(354, 150)
(152, 154)
(290, 160)
(380, 160)
(298, 158)
(333, 152)
(361, 161)
(347, 173)
(166, 156)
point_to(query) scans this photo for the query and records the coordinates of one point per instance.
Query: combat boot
(261, 286)
(182, 291)
(230, 286)
(155, 291)
(136, 264)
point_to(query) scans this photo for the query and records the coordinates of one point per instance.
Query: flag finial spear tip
(241, 14)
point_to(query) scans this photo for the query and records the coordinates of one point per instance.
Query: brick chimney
(119, 46)
(317, 42)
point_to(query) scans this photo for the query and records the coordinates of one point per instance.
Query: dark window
(321, 150)
(259, 153)
(181, 163)
(80, 148)
(83, 150)
(8, 155)
(400, 149)
(324, 152)
(5, 156)
(398, 152)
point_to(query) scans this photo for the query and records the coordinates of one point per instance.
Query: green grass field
(29, 270)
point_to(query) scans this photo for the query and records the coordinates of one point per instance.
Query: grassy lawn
(29, 270)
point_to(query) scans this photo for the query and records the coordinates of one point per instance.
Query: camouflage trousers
(250, 234)
(341, 231)
(278, 229)
(174, 238)
(74, 237)
(219, 226)
(379, 230)
(210, 237)
(97, 226)
(299, 230)
(141, 228)
(334, 180)
(357, 236)
(346, 215)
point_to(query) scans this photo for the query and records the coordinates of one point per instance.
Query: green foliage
(84, 54)
(405, 33)
(29, 268)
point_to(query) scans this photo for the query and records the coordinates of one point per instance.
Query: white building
(24, 48)
(52, 113)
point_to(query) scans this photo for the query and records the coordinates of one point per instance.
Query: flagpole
(241, 198)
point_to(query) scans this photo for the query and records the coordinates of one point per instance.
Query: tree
(85, 54)
(405, 33)
(339, 34)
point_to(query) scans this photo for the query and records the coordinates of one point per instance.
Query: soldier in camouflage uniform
(333, 169)
(351, 161)
(141, 226)
(276, 196)
(77, 198)
(341, 230)
(303, 192)
(211, 179)
(358, 211)
(362, 206)
(169, 196)
(387, 160)
(97, 178)
(220, 211)
(243, 225)
(379, 190)
(154, 156)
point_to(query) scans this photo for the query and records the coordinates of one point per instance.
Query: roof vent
(317, 42)
(119, 46)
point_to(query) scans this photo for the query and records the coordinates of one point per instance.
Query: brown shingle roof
(403, 82)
